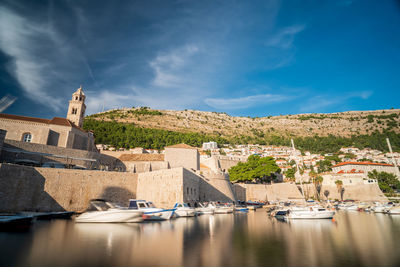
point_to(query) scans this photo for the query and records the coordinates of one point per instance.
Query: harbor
(236, 239)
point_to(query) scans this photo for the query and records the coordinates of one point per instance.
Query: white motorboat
(205, 209)
(223, 208)
(183, 210)
(394, 210)
(101, 211)
(151, 213)
(309, 213)
(381, 208)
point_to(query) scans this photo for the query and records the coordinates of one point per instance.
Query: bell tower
(77, 107)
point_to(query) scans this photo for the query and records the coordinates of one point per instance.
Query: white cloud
(168, 67)
(284, 39)
(318, 103)
(19, 39)
(244, 102)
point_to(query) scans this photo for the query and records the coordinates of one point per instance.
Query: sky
(245, 58)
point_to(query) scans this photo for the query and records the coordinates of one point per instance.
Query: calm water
(253, 239)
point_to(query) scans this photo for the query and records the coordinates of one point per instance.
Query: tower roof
(79, 91)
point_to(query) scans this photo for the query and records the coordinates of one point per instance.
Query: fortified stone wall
(14, 150)
(216, 187)
(2, 137)
(182, 157)
(166, 187)
(261, 192)
(25, 188)
(226, 163)
(362, 192)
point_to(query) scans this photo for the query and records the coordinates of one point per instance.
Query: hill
(335, 129)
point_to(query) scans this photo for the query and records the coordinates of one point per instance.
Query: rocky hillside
(343, 124)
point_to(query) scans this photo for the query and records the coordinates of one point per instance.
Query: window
(27, 137)
(74, 111)
(76, 98)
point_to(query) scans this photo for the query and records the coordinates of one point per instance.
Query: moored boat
(205, 209)
(101, 211)
(309, 213)
(151, 213)
(183, 210)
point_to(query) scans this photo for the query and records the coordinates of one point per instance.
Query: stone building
(60, 132)
(363, 167)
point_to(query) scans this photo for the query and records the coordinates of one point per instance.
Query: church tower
(77, 107)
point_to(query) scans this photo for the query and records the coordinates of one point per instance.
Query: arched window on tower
(76, 97)
(27, 137)
(74, 111)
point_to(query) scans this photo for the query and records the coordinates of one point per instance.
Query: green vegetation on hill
(128, 136)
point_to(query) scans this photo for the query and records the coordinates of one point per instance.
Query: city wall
(24, 188)
(361, 192)
(13, 150)
(273, 192)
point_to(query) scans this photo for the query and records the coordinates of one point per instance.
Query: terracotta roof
(54, 121)
(142, 157)
(23, 118)
(181, 146)
(362, 163)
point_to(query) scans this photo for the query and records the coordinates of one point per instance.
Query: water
(253, 239)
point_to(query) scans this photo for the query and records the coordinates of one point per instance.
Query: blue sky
(246, 58)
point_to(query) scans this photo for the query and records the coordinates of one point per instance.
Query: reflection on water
(253, 239)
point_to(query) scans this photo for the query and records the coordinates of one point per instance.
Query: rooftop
(54, 121)
(181, 146)
(361, 163)
(142, 157)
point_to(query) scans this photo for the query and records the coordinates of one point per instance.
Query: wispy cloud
(320, 102)
(284, 38)
(20, 40)
(168, 66)
(244, 102)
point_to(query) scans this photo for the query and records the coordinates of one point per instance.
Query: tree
(290, 174)
(326, 193)
(324, 166)
(256, 169)
(387, 182)
(339, 185)
(317, 180)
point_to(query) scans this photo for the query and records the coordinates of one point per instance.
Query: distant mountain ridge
(343, 124)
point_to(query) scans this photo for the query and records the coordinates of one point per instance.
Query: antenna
(297, 167)
(393, 159)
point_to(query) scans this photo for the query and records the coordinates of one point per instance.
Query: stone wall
(361, 192)
(182, 157)
(2, 137)
(216, 187)
(25, 188)
(15, 150)
(261, 192)
(166, 187)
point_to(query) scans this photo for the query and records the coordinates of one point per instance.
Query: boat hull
(110, 216)
(310, 215)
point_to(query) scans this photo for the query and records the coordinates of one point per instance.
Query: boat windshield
(99, 205)
(185, 205)
(151, 205)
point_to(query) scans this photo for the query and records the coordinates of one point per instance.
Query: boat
(183, 210)
(205, 208)
(241, 208)
(102, 211)
(150, 212)
(395, 210)
(314, 212)
(381, 208)
(222, 208)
